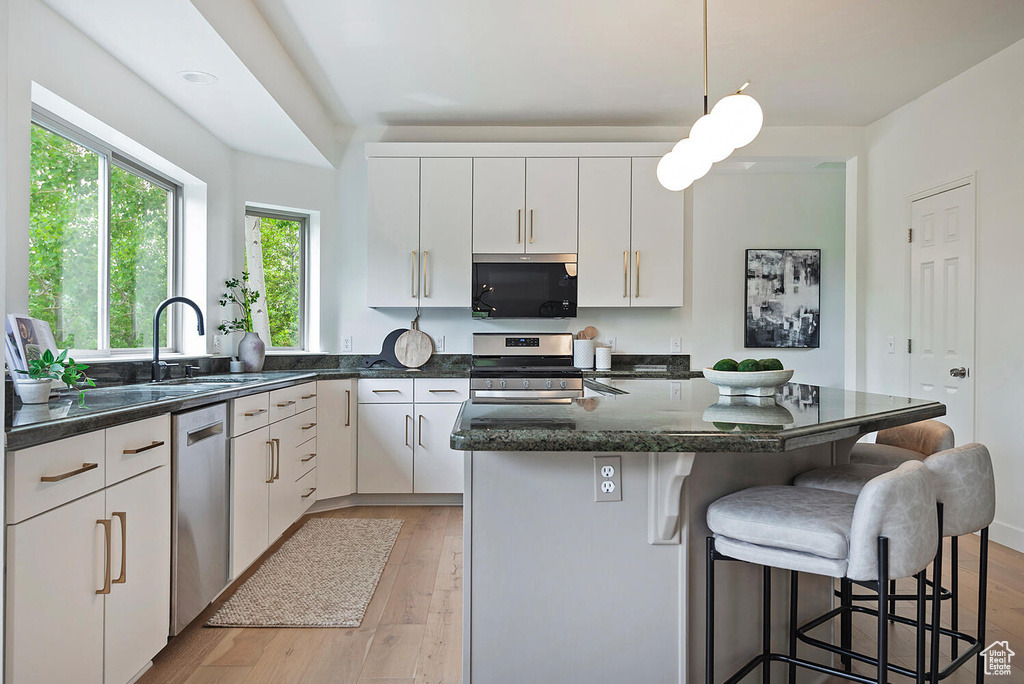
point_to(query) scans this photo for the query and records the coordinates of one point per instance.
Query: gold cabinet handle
(625, 273)
(385, 391)
(106, 572)
(407, 419)
(519, 226)
(308, 396)
(443, 391)
(250, 414)
(412, 276)
(637, 294)
(308, 427)
(285, 403)
(309, 458)
(270, 464)
(139, 450)
(531, 226)
(348, 408)
(86, 467)
(123, 517)
(419, 431)
(309, 493)
(425, 293)
(277, 446)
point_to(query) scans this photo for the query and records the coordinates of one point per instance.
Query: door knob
(960, 372)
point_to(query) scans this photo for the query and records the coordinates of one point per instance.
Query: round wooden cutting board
(414, 348)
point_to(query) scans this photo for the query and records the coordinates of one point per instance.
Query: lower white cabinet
(337, 405)
(438, 468)
(385, 448)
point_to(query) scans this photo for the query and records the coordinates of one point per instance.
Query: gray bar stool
(904, 443)
(964, 486)
(887, 532)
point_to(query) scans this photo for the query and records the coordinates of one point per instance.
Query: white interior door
(446, 232)
(604, 231)
(942, 305)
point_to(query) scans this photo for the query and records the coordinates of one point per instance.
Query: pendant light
(733, 122)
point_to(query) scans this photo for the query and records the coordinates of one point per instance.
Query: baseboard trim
(1007, 535)
(386, 500)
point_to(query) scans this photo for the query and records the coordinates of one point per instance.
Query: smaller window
(282, 247)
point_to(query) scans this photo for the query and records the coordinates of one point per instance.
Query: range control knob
(562, 384)
(490, 384)
(549, 383)
(526, 383)
(502, 384)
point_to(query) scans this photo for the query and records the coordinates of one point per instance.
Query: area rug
(323, 576)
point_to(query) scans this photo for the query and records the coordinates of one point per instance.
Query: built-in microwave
(524, 286)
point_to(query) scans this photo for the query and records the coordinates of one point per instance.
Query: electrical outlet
(607, 478)
(346, 343)
(892, 344)
(439, 343)
(675, 345)
(675, 390)
(218, 343)
(611, 343)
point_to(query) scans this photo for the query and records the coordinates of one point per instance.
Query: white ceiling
(636, 62)
(157, 40)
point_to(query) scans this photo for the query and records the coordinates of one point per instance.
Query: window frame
(112, 156)
(303, 220)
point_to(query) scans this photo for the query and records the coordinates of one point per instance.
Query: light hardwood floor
(411, 633)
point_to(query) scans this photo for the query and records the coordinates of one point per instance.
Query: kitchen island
(560, 587)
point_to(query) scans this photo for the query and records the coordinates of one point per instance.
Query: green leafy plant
(62, 368)
(241, 296)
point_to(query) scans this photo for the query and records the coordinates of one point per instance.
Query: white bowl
(749, 411)
(751, 384)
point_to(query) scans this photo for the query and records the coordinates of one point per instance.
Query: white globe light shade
(693, 158)
(709, 133)
(672, 173)
(740, 117)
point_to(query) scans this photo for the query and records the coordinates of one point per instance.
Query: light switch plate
(607, 478)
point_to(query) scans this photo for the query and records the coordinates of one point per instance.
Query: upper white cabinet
(604, 254)
(393, 242)
(499, 202)
(656, 239)
(420, 227)
(551, 203)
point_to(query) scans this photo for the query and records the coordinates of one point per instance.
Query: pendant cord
(705, 56)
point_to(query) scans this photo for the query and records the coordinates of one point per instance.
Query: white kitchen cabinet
(136, 617)
(55, 565)
(289, 437)
(551, 205)
(656, 239)
(604, 234)
(337, 412)
(499, 205)
(393, 233)
(438, 468)
(446, 231)
(252, 470)
(386, 437)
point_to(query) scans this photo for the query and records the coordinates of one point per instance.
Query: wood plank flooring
(411, 633)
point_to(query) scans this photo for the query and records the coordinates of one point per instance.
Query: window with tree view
(101, 243)
(282, 244)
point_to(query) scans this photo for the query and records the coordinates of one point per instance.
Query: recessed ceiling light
(198, 77)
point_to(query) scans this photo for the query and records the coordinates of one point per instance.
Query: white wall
(972, 123)
(636, 330)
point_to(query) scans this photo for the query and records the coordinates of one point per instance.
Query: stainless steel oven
(524, 368)
(524, 286)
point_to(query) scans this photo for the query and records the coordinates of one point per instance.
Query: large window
(282, 244)
(101, 242)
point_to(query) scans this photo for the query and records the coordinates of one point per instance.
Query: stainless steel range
(534, 368)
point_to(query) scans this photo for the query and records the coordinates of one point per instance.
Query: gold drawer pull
(308, 396)
(443, 391)
(106, 572)
(309, 458)
(307, 427)
(139, 450)
(123, 517)
(285, 403)
(306, 496)
(250, 414)
(86, 467)
(387, 391)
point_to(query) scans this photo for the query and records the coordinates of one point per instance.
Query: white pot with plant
(43, 371)
(251, 349)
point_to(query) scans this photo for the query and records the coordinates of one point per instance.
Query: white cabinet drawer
(307, 397)
(305, 457)
(285, 402)
(137, 447)
(442, 390)
(385, 391)
(71, 467)
(306, 487)
(249, 413)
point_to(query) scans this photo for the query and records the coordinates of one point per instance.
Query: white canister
(583, 353)
(603, 358)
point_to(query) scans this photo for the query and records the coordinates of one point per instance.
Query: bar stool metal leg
(709, 615)
(954, 589)
(883, 610)
(982, 601)
(936, 604)
(766, 627)
(793, 594)
(921, 661)
(846, 622)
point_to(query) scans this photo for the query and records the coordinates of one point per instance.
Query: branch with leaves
(242, 297)
(62, 368)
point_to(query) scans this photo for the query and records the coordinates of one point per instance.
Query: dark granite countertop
(685, 415)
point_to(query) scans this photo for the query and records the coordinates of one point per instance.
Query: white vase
(252, 352)
(34, 391)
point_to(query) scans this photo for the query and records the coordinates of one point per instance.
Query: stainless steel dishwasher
(200, 485)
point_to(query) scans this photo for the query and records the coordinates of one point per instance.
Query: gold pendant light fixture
(734, 122)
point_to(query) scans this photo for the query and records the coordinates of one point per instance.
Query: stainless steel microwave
(524, 286)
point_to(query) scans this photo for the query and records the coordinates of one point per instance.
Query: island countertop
(685, 415)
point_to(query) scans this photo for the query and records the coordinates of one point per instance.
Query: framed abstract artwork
(783, 298)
